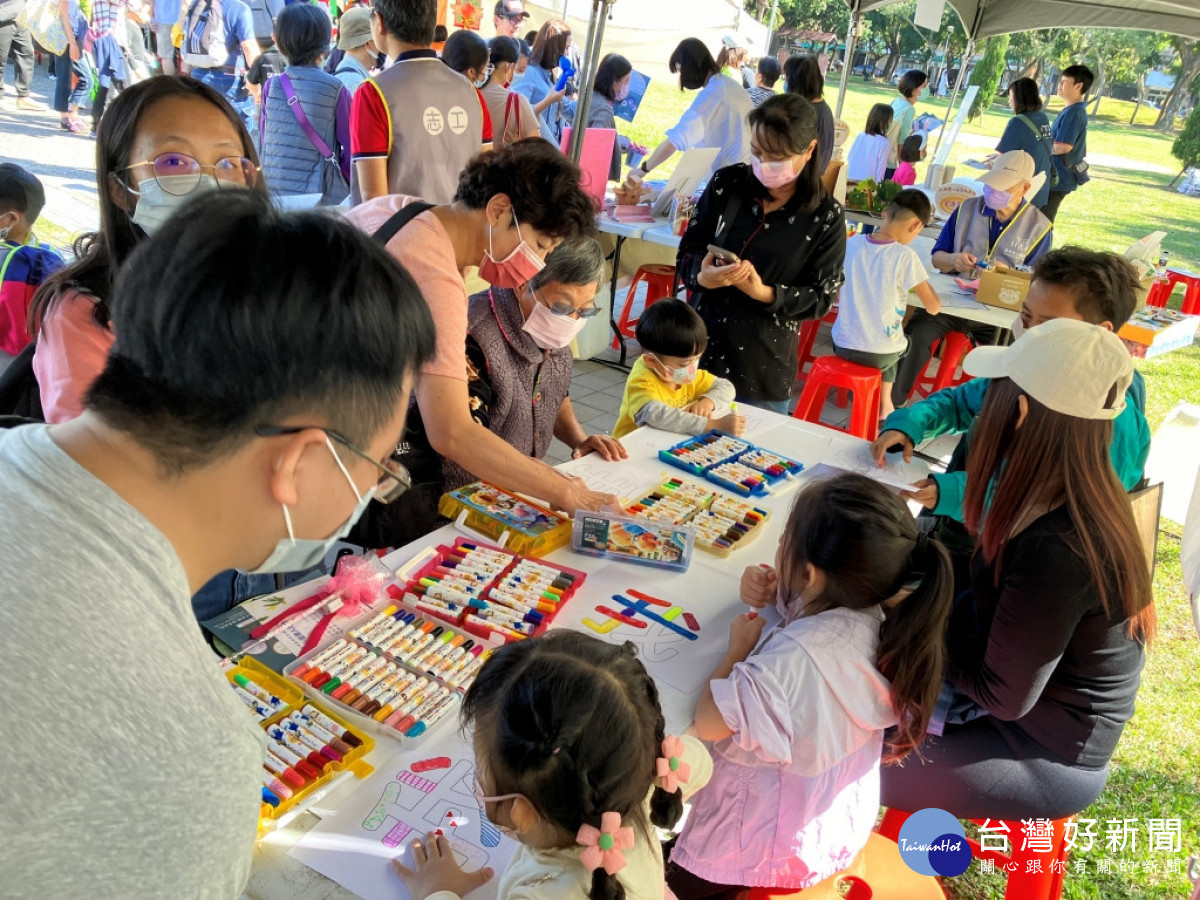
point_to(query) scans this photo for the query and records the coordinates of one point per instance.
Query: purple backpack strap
(298, 111)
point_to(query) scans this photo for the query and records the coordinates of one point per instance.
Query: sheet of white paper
(671, 658)
(396, 805)
(856, 457)
(960, 299)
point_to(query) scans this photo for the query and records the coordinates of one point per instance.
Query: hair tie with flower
(672, 771)
(605, 846)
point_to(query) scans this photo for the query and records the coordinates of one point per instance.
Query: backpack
(22, 271)
(264, 22)
(204, 35)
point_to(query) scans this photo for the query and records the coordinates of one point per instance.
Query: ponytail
(605, 886)
(666, 807)
(911, 652)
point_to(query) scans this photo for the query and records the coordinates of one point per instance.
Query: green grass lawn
(1156, 770)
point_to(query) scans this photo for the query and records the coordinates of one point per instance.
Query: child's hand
(926, 493)
(732, 423)
(435, 869)
(744, 632)
(702, 407)
(887, 440)
(758, 586)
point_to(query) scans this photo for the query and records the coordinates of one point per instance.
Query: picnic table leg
(612, 303)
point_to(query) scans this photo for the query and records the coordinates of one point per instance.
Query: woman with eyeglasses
(163, 141)
(467, 54)
(519, 357)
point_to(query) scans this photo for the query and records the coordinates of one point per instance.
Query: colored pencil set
(722, 523)
(306, 746)
(733, 463)
(490, 592)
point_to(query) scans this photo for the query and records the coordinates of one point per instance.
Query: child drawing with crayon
(800, 723)
(574, 763)
(665, 388)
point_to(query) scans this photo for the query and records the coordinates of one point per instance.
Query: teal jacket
(953, 411)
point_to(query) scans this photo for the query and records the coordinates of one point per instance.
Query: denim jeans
(67, 97)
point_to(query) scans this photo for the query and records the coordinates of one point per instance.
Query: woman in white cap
(1049, 642)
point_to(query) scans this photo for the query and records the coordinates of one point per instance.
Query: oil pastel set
(530, 527)
(489, 592)
(308, 746)
(633, 539)
(722, 524)
(399, 673)
(733, 463)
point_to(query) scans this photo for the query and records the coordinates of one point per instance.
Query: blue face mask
(294, 554)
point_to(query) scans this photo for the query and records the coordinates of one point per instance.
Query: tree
(1188, 53)
(987, 74)
(1186, 148)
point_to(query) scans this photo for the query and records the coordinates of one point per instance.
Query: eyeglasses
(393, 481)
(566, 309)
(232, 171)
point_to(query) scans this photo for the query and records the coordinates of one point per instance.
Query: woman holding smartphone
(784, 242)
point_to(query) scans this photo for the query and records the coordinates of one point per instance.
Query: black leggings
(990, 769)
(686, 886)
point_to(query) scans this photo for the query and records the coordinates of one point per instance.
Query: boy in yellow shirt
(666, 389)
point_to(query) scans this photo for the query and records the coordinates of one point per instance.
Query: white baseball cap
(1008, 170)
(1066, 365)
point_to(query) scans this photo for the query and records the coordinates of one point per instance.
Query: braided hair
(574, 725)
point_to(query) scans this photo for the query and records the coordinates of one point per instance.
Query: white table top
(608, 225)
(275, 874)
(954, 304)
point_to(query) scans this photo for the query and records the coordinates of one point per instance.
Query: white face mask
(1018, 329)
(294, 554)
(155, 206)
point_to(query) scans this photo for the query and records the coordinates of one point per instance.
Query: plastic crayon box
(308, 747)
(399, 672)
(731, 462)
(490, 592)
(634, 539)
(722, 524)
(533, 529)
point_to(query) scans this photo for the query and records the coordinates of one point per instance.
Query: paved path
(65, 162)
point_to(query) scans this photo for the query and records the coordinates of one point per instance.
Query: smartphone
(723, 255)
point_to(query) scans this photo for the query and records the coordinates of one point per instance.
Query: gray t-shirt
(132, 770)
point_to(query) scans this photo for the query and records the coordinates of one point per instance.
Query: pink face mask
(549, 331)
(516, 269)
(773, 174)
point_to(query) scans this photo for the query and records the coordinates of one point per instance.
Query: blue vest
(290, 162)
(972, 232)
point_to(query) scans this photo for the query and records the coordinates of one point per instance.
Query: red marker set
(402, 670)
(307, 746)
(489, 592)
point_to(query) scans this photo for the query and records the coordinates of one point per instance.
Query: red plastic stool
(1032, 874)
(877, 873)
(863, 383)
(1191, 296)
(1159, 293)
(954, 346)
(808, 337)
(659, 281)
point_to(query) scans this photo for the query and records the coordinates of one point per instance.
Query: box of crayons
(722, 523)
(732, 463)
(634, 539)
(309, 747)
(532, 529)
(490, 592)
(399, 672)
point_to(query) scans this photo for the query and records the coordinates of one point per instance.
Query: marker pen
(313, 672)
(307, 724)
(257, 691)
(354, 678)
(411, 626)
(367, 628)
(483, 552)
(451, 674)
(533, 608)
(507, 618)
(275, 786)
(447, 593)
(299, 763)
(369, 703)
(441, 647)
(260, 709)
(292, 741)
(468, 586)
(493, 628)
(404, 719)
(368, 676)
(284, 771)
(447, 662)
(269, 798)
(332, 677)
(385, 704)
(385, 631)
(325, 655)
(412, 702)
(404, 654)
(428, 716)
(311, 741)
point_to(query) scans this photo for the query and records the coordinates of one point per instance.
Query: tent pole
(962, 71)
(771, 26)
(848, 63)
(591, 61)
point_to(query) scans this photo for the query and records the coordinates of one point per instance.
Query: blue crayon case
(699, 454)
(630, 539)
